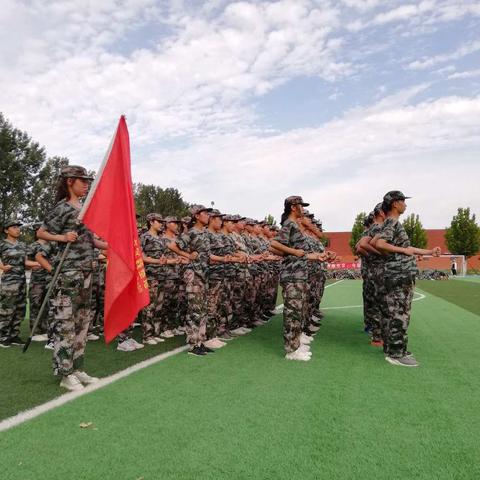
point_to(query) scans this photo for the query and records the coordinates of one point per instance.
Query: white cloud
(466, 74)
(343, 167)
(460, 52)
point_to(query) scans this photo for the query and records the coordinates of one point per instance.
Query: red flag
(109, 211)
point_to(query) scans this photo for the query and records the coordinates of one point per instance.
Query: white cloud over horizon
(193, 80)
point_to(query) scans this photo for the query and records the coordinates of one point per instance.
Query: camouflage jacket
(63, 219)
(397, 266)
(196, 240)
(216, 271)
(13, 254)
(240, 246)
(48, 251)
(172, 272)
(154, 246)
(294, 269)
(370, 261)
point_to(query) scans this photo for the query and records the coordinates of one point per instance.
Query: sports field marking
(421, 296)
(279, 308)
(68, 397)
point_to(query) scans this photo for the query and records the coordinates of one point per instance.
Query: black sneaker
(5, 343)
(16, 341)
(197, 351)
(206, 349)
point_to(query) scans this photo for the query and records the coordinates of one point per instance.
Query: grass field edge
(38, 410)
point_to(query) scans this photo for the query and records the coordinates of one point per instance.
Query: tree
(20, 160)
(415, 231)
(463, 236)
(357, 230)
(44, 189)
(270, 219)
(150, 198)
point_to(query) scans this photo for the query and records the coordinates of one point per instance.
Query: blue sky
(244, 103)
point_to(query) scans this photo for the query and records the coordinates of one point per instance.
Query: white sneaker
(40, 338)
(135, 344)
(177, 331)
(304, 348)
(167, 334)
(259, 323)
(92, 337)
(49, 346)
(159, 339)
(238, 331)
(214, 343)
(150, 341)
(305, 339)
(85, 378)
(125, 346)
(72, 383)
(298, 355)
(312, 328)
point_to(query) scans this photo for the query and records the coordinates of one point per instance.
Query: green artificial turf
(465, 294)
(247, 413)
(28, 380)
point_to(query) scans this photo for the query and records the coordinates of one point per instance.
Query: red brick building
(436, 238)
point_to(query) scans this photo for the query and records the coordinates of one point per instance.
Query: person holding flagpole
(72, 292)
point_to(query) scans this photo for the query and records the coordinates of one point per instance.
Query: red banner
(109, 211)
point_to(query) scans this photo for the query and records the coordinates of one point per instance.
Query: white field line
(279, 308)
(68, 397)
(421, 296)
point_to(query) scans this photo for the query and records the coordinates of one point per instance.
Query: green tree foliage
(415, 231)
(270, 219)
(357, 230)
(463, 236)
(150, 198)
(20, 160)
(44, 188)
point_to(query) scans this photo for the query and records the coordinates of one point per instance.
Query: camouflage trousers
(295, 296)
(373, 298)
(36, 294)
(181, 303)
(214, 297)
(398, 301)
(313, 288)
(272, 292)
(12, 308)
(196, 321)
(98, 300)
(151, 315)
(240, 317)
(226, 306)
(168, 312)
(71, 310)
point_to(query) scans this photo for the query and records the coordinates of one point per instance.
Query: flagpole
(98, 177)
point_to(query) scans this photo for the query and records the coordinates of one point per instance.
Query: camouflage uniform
(399, 278)
(314, 276)
(39, 282)
(72, 293)
(12, 289)
(226, 300)
(171, 286)
(239, 284)
(196, 283)
(154, 246)
(98, 294)
(293, 280)
(373, 288)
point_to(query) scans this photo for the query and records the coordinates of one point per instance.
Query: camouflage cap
(216, 213)
(394, 195)
(250, 221)
(295, 200)
(195, 209)
(75, 171)
(154, 216)
(170, 219)
(239, 218)
(306, 213)
(377, 209)
(186, 219)
(230, 218)
(12, 222)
